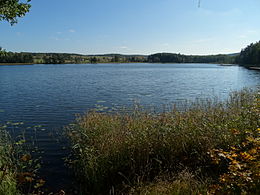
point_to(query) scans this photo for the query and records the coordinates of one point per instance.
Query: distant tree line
(250, 56)
(179, 58)
(11, 57)
(66, 58)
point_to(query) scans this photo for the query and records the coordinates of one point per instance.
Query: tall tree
(10, 10)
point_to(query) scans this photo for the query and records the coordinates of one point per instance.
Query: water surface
(51, 95)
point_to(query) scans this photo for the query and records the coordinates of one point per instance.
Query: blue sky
(135, 26)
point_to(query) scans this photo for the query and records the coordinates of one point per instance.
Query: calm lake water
(51, 95)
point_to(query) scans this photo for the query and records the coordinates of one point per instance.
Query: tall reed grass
(18, 168)
(8, 183)
(118, 152)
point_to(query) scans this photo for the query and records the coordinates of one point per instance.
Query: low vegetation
(18, 169)
(8, 183)
(210, 147)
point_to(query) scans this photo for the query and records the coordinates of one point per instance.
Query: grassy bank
(169, 153)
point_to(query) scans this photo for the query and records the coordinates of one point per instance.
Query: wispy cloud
(248, 33)
(123, 47)
(230, 12)
(251, 31)
(165, 44)
(55, 38)
(242, 36)
(72, 30)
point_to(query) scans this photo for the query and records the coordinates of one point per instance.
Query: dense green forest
(250, 56)
(10, 57)
(179, 58)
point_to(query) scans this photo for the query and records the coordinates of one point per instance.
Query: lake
(51, 96)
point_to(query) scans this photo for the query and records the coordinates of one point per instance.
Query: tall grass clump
(8, 183)
(138, 151)
(18, 169)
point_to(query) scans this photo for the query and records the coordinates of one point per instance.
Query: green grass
(8, 184)
(137, 152)
(18, 169)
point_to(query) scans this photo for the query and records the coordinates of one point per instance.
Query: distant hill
(233, 54)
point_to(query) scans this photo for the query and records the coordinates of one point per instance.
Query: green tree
(10, 10)
(250, 56)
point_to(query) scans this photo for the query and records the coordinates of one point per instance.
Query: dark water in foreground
(51, 95)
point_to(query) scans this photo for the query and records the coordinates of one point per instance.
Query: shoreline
(254, 68)
(14, 64)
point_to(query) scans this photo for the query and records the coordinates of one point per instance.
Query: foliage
(17, 166)
(10, 10)
(10, 57)
(250, 55)
(66, 58)
(179, 58)
(242, 161)
(137, 147)
(8, 184)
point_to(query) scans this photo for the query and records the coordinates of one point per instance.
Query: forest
(250, 56)
(66, 58)
(179, 58)
(11, 57)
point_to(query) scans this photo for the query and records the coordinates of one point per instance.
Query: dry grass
(117, 152)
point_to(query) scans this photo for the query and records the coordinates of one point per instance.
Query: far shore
(13, 64)
(10, 64)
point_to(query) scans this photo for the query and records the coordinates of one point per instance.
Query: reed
(18, 165)
(128, 152)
